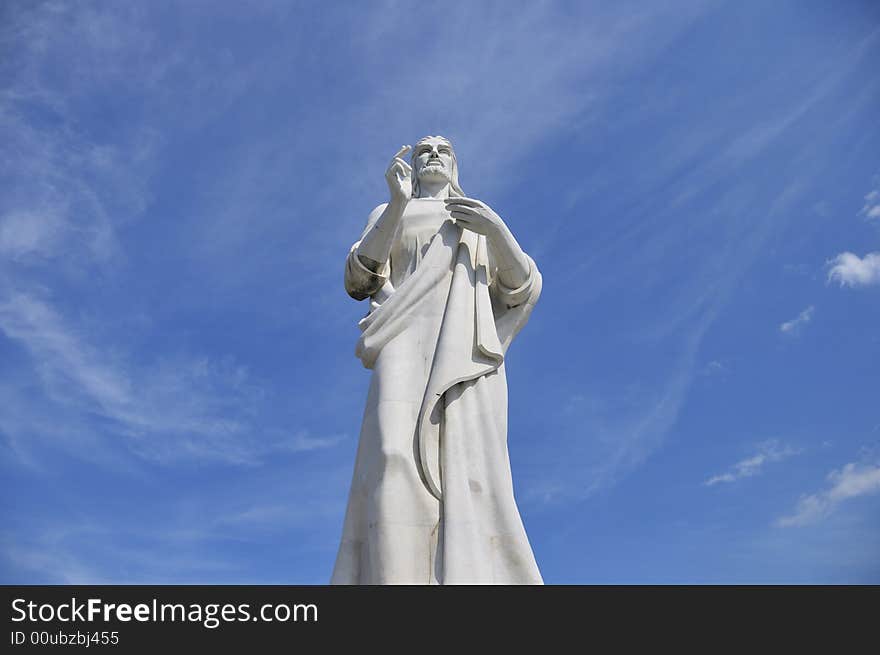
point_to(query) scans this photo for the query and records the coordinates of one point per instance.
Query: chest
(422, 220)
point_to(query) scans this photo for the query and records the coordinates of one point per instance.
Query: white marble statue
(431, 498)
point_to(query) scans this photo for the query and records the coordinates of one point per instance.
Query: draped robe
(431, 499)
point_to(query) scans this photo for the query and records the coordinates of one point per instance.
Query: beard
(437, 173)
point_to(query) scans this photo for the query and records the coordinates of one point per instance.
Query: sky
(694, 399)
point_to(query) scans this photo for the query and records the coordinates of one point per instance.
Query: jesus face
(433, 160)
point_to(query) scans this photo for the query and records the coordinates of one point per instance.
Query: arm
(375, 246)
(365, 278)
(366, 268)
(513, 264)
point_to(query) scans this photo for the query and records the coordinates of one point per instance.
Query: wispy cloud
(101, 555)
(704, 163)
(29, 233)
(172, 408)
(715, 367)
(851, 270)
(853, 480)
(871, 208)
(795, 325)
(574, 57)
(69, 183)
(768, 452)
(53, 565)
(184, 537)
(623, 431)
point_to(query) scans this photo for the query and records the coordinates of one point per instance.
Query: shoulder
(377, 212)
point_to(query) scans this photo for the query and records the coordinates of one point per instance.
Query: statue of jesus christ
(431, 499)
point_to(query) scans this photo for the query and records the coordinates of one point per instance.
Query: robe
(431, 498)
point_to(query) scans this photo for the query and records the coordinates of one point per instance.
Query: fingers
(399, 169)
(399, 163)
(470, 202)
(467, 222)
(461, 210)
(465, 211)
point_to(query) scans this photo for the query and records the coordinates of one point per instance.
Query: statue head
(434, 159)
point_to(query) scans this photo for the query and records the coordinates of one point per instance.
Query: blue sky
(695, 398)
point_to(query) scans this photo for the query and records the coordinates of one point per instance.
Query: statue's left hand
(475, 216)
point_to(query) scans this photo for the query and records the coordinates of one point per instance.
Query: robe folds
(431, 499)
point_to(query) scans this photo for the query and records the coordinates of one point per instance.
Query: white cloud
(871, 209)
(768, 451)
(849, 269)
(794, 325)
(851, 481)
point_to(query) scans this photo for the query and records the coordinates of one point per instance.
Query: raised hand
(475, 216)
(399, 177)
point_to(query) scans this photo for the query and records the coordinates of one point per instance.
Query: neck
(433, 189)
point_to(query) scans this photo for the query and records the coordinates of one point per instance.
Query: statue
(431, 498)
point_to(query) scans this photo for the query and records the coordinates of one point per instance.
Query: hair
(454, 187)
